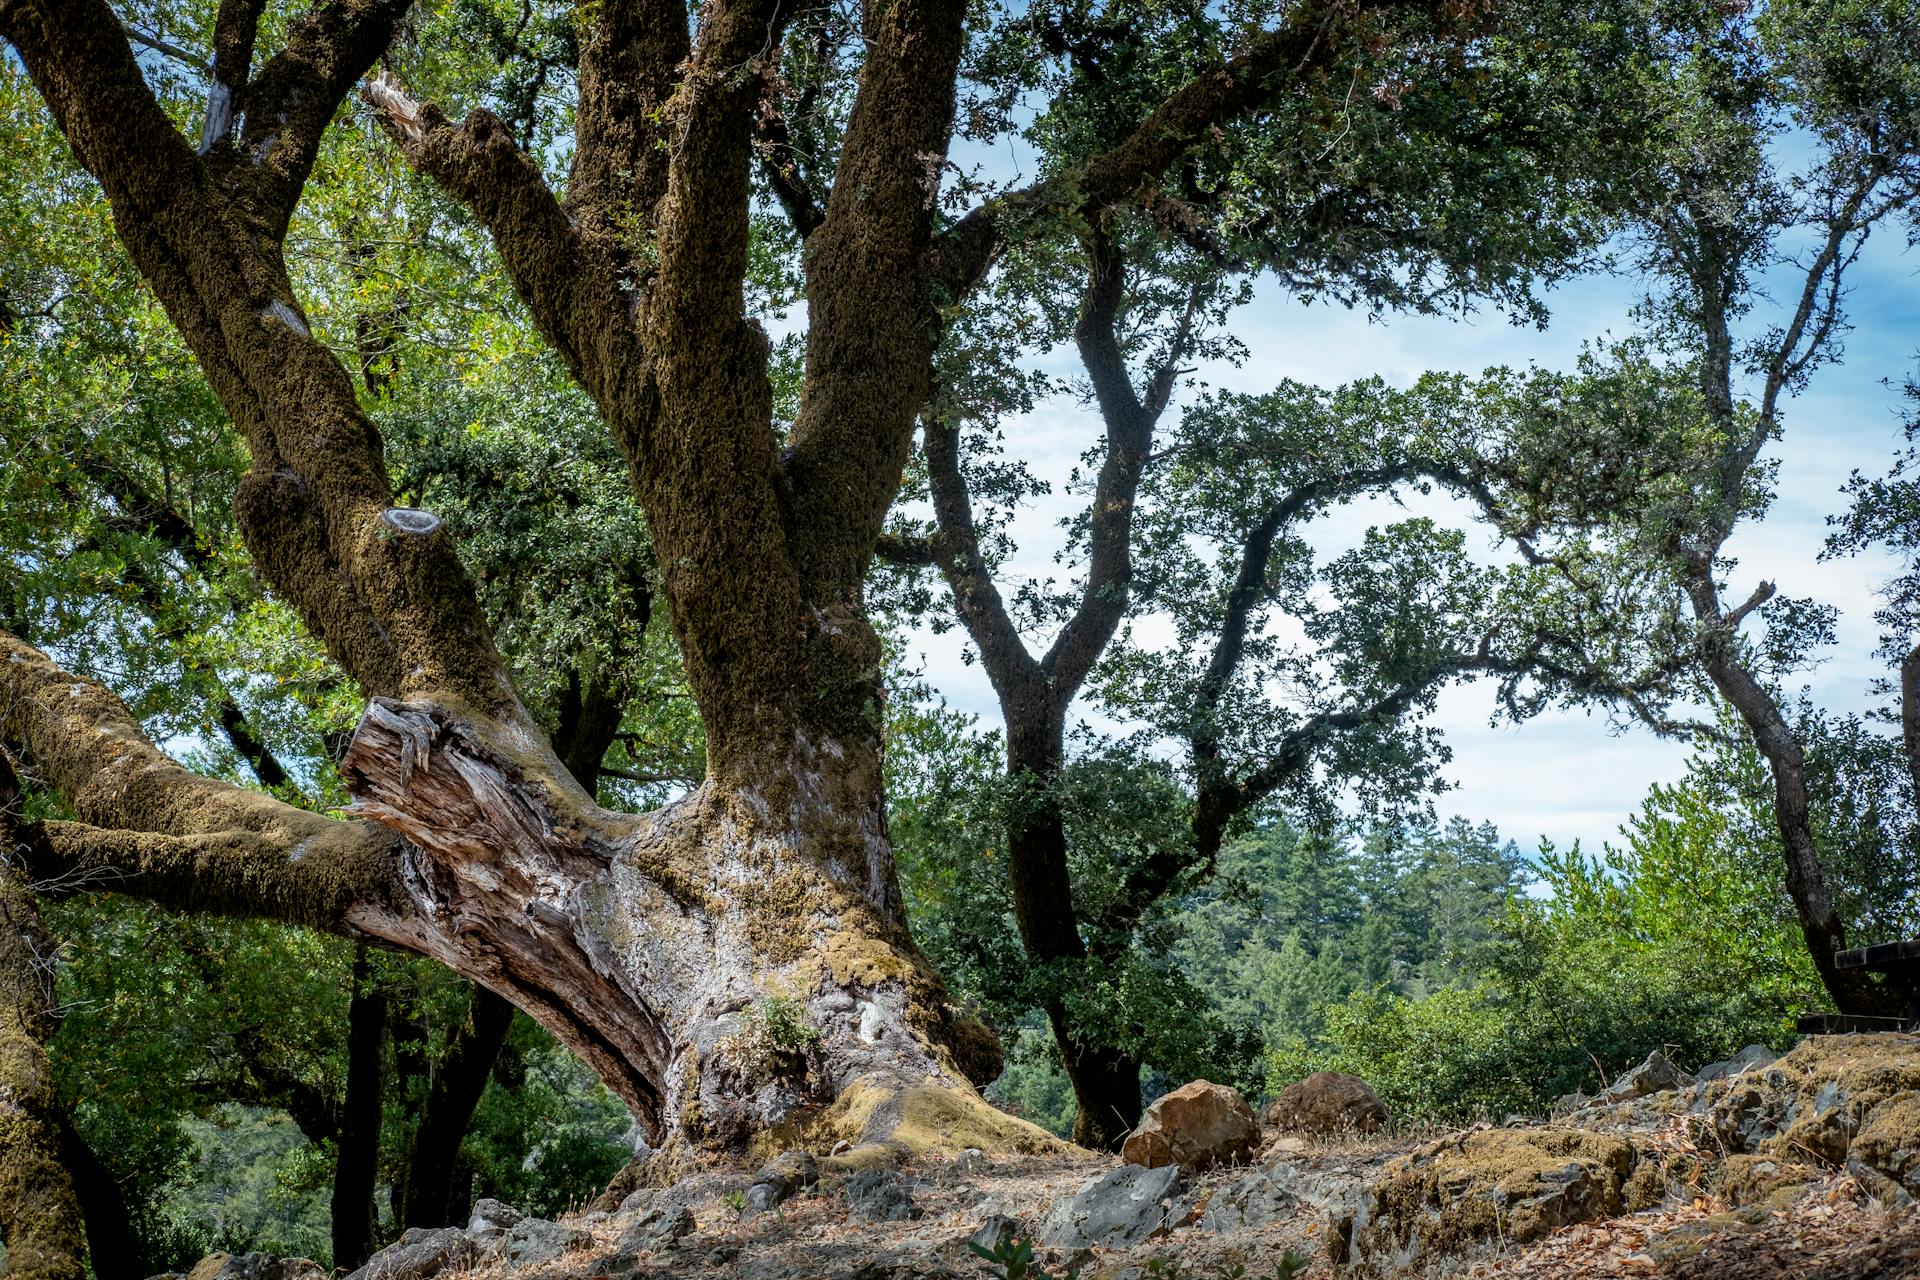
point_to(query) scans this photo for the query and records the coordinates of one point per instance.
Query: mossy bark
(40, 1219)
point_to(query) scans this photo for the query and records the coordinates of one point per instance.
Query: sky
(1564, 776)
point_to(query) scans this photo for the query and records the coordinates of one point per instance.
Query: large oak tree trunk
(653, 943)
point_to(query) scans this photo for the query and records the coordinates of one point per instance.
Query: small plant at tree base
(736, 1200)
(774, 1035)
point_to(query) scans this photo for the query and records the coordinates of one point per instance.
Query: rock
(1656, 1075)
(1748, 1059)
(1327, 1103)
(997, 1232)
(1197, 1126)
(1125, 1206)
(789, 1174)
(1745, 1180)
(534, 1242)
(1885, 1156)
(421, 1253)
(1568, 1103)
(879, 1195)
(1250, 1204)
(1513, 1184)
(656, 1226)
(255, 1266)
(491, 1219)
(972, 1160)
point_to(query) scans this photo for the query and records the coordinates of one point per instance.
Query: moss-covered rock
(1508, 1184)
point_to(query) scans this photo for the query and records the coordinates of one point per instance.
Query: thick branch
(388, 598)
(1129, 423)
(571, 290)
(872, 321)
(235, 25)
(289, 105)
(629, 66)
(152, 828)
(1004, 654)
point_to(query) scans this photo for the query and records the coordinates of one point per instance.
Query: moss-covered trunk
(725, 963)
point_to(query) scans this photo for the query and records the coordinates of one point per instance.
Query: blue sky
(1564, 776)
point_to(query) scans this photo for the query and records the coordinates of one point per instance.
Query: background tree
(1460, 175)
(1637, 502)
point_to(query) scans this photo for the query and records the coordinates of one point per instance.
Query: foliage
(1679, 938)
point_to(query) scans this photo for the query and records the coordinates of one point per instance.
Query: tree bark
(40, 1218)
(356, 1168)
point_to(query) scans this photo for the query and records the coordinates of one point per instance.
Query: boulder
(491, 1219)
(1745, 1180)
(535, 1242)
(1510, 1184)
(655, 1226)
(1656, 1075)
(1750, 1058)
(1885, 1155)
(1197, 1126)
(1327, 1103)
(420, 1254)
(1123, 1207)
(789, 1174)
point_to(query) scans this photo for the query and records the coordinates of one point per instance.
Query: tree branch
(1009, 666)
(570, 289)
(1129, 430)
(872, 322)
(1271, 63)
(152, 828)
(629, 66)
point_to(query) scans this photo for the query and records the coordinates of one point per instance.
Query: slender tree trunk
(356, 1225)
(1853, 991)
(1910, 715)
(112, 1249)
(1105, 1079)
(458, 1081)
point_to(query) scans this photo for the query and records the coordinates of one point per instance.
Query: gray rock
(1568, 1103)
(879, 1195)
(998, 1230)
(255, 1266)
(1251, 1203)
(1124, 1207)
(1656, 1075)
(655, 1227)
(491, 1219)
(1750, 1058)
(534, 1242)
(421, 1253)
(789, 1174)
(972, 1160)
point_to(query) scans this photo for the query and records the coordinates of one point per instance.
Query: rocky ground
(1802, 1167)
